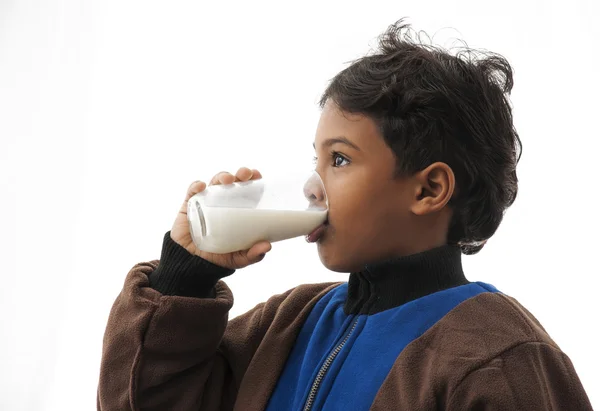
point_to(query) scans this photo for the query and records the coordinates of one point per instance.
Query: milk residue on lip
(234, 229)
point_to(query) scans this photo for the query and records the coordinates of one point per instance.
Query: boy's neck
(396, 281)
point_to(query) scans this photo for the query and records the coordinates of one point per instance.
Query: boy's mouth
(317, 232)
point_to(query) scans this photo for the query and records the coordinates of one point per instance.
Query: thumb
(257, 252)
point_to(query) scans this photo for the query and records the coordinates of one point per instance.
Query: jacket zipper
(319, 378)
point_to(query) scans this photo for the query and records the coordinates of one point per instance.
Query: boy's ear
(434, 188)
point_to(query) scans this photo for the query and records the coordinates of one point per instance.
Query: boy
(418, 154)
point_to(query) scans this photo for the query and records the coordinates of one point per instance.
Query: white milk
(234, 229)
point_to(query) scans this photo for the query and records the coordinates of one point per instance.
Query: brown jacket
(169, 352)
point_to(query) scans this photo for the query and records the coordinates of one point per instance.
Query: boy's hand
(180, 232)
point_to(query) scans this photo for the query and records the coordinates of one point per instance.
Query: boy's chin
(337, 262)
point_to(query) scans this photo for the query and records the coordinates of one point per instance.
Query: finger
(257, 251)
(243, 174)
(256, 175)
(226, 178)
(195, 188)
(222, 178)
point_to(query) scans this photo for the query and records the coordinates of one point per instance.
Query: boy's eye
(337, 160)
(337, 157)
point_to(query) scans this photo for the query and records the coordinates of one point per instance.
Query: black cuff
(184, 274)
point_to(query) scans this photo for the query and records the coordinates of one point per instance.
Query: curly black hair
(433, 106)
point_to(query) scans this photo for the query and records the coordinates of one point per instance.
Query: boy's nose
(314, 191)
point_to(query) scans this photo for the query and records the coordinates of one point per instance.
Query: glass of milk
(233, 217)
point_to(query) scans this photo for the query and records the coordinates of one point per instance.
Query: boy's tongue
(316, 234)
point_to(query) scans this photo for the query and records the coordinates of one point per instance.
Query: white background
(109, 109)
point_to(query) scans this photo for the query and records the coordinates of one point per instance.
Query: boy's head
(435, 152)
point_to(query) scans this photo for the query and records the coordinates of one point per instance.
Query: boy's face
(372, 215)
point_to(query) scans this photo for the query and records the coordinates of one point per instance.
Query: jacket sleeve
(530, 376)
(177, 352)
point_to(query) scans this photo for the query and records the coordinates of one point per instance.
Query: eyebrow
(343, 140)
